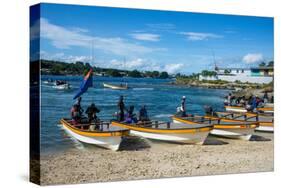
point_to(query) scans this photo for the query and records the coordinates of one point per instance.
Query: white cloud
(63, 57)
(145, 65)
(63, 38)
(146, 36)
(137, 63)
(140, 64)
(194, 36)
(173, 68)
(253, 58)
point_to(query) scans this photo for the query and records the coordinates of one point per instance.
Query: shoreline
(145, 159)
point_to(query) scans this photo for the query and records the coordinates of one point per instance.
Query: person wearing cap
(183, 110)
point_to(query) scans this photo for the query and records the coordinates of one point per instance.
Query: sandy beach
(145, 159)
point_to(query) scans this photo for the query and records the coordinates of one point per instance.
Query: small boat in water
(195, 134)
(49, 81)
(118, 87)
(106, 136)
(243, 109)
(61, 85)
(265, 121)
(224, 128)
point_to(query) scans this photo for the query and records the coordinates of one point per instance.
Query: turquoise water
(160, 98)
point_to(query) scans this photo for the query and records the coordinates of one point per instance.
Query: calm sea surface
(160, 98)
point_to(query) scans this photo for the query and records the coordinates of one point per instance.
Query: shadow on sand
(214, 141)
(132, 143)
(259, 138)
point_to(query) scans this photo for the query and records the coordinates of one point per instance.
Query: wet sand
(145, 159)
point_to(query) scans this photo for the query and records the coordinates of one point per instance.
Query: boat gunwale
(159, 130)
(219, 126)
(94, 133)
(251, 114)
(243, 108)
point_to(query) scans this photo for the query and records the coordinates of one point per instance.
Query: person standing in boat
(92, 111)
(78, 103)
(229, 99)
(183, 110)
(265, 98)
(75, 115)
(121, 107)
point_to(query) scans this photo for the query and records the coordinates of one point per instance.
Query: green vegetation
(208, 73)
(269, 64)
(135, 74)
(80, 68)
(164, 75)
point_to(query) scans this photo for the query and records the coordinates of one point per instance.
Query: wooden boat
(195, 134)
(107, 136)
(265, 121)
(118, 87)
(243, 109)
(228, 129)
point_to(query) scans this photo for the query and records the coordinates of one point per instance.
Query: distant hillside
(49, 67)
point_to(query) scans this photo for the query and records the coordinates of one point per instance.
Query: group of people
(123, 114)
(251, 103)
(128, 115)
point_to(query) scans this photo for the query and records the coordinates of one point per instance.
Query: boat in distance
(117, 87)
(106, 136)
(223, 128)
(243, 109)
(265, 121)
(170, 132)
(58, 84)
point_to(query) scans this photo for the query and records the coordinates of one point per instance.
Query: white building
(258, 75)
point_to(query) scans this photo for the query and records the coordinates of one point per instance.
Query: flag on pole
(85, 84)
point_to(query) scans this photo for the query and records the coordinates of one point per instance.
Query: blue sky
(153, 40)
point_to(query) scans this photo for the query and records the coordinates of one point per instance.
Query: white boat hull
(242, 134)
(268, 111)
(114, 87)
(229, 109)
(111, 142)
(265, 129)
(187, 138)
(64, 86)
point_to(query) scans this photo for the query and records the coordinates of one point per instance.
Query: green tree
(155, 74)
(270, 64)
(164, 75)
(262, 64)
(135, 74)
(113, 72)
(208, 73)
